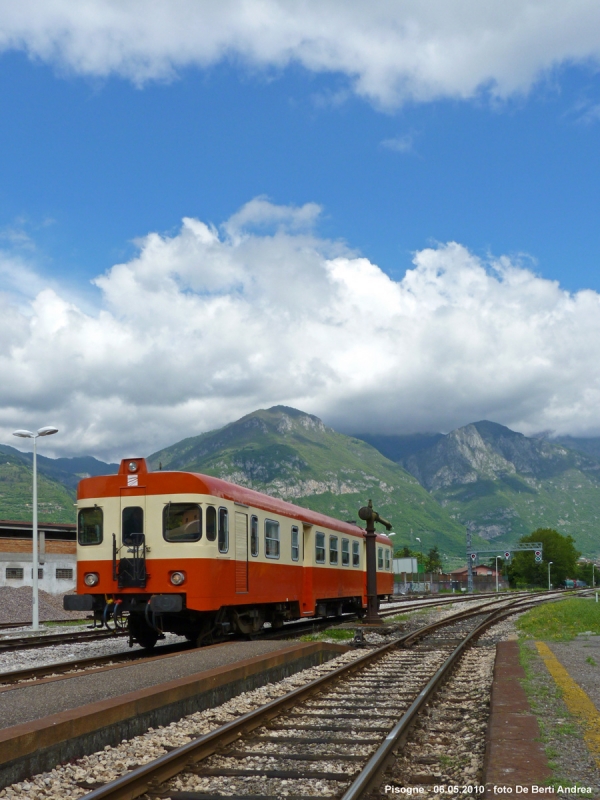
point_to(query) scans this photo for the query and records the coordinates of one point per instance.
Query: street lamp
(47, 431)
(593, 581)
(497, 557)
(549, 564)
(422, 562)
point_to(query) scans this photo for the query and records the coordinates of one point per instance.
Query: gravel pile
(15, 605)
(76, 779)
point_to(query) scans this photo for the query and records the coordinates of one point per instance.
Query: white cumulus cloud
(388, 51)
(208, 324)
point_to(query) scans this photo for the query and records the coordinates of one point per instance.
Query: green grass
(337, 634)
(562, 621)
(67, 623)
(591, 661)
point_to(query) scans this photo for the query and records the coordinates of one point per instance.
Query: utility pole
(469, 564)
(370, 516)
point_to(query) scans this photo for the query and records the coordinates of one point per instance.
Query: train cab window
(254, 535)
(380, 558)
(271, 538)
(356, 554)
(133, 522)
(211, 523)
(223, 530)
(182, 522)
(319, 548)
(295, 543)
(345, 553)
(333, 549)
(387, 558)
(90, 526)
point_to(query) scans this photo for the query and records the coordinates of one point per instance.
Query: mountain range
(289, 454)
(483, 477)
(501, 484)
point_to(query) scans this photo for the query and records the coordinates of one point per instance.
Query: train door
(308, 557)
(131, 570)
(241, 552)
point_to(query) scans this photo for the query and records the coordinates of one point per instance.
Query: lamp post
(593, 581)
(47, 431)
(549, 565)
(497, 557)
(422, 562)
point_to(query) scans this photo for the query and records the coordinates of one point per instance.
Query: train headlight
(177, 578)
(91, 578)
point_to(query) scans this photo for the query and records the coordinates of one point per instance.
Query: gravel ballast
(75, 780)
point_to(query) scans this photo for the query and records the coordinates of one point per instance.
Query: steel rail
(150, 776)
(28, 643)
(8, 625)
(375, 767)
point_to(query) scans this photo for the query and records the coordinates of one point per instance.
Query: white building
(57, 570)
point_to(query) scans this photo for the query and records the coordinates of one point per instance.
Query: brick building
(57, 568)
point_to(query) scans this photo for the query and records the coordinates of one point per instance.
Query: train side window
(356, 554)
(345, 553)
(90, 522)
(380, 558)
(211, 523)
(223, 530)
(271, 538)
(387, 558)
(133, 522)
(319, 547)
(182, 522)
(254, 535)
(333, 549)
(295, 543)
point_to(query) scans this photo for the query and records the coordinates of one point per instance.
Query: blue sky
(410, 128)
(89, 164)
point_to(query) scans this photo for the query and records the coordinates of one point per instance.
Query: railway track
(5, 626)
(47, 639)
(332, 737)
(31, 641)
(66, 668)
(57, 670)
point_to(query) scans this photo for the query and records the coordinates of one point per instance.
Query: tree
(433, 562)
(560, 550)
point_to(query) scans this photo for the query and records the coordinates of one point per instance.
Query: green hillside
(55, 501)
(289, 454)
(501, 484)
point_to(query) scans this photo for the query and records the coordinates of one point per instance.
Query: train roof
(134, 479)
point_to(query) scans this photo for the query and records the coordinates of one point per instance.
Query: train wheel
(248, 622)
(141, 632)
(203, 635)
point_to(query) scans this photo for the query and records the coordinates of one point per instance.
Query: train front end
(124, 579)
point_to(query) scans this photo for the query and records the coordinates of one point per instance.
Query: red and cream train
(193, 554)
